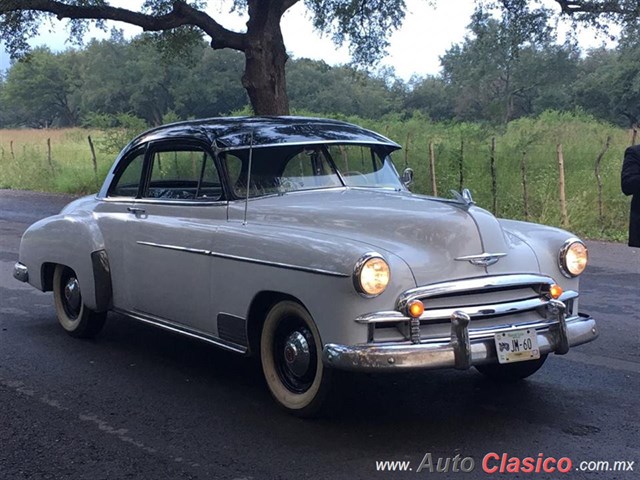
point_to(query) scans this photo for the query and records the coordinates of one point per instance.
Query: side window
(183, 174)
(127, 181)
(359, 165)
(234, 167)
(308, 169)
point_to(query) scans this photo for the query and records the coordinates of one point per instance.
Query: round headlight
(371, 275)
(573, 258)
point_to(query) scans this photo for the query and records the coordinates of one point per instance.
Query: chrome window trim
(257, 261)
(394, 145)
(487, 283)
(562, 256)
(153, 201)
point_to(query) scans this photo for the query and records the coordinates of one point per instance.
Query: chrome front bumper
(20, 272)
(459, 351)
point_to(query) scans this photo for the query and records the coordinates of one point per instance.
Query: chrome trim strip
(158, 201)
(20, 272)
(441, 354)
(483, 259)
(210, 253)
(475, 312)
(314, 142)
(156, 322)
(382, 317)
(472, 284)
(481, 311)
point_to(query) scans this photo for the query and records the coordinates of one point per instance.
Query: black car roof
(229, 133)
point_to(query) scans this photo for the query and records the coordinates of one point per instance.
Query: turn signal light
(416, 309)
(555, 291)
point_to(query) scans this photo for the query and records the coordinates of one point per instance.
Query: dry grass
(24, 160)
(24, 165)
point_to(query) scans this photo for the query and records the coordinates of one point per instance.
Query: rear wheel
(73, 315)
(511, 372)
(291, 355)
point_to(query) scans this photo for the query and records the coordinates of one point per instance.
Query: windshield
(296, 168)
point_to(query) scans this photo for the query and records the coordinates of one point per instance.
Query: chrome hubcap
(296, 354)
(72, 294)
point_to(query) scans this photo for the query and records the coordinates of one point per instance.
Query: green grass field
(24, 164)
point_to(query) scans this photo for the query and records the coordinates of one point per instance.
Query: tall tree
(40, 92)
(364, 25)
(483, 71)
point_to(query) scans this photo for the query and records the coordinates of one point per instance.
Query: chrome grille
(490, 301)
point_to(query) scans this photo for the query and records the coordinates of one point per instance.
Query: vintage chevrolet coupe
(295, 239)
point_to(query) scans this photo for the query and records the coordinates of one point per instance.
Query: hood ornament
(482, 260)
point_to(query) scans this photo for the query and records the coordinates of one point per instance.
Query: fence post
(93, 158)
(13, 155)
(561, 185)
(461, 165)
(525, 193)
(634, 135)
(494, 182)
(432, 168)
(599, 180)
(49, 159)
(406, 150)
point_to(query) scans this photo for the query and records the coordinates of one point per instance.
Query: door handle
(136, 210)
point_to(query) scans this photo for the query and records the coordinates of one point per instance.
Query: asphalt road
(142, 403)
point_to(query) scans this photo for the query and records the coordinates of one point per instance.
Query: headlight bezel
(562, 257)
(360, 266)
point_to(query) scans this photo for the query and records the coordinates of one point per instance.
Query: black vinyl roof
(231, 133)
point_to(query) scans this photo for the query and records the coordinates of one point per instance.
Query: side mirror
(407, 177)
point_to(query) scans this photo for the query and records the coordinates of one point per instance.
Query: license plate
(517, 345)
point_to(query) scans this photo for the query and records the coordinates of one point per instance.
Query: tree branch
(181, 15)
(570, 7)
(287, 4)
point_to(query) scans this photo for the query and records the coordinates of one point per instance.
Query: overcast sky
(415, 49)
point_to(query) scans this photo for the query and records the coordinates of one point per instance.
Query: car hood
(431, 235)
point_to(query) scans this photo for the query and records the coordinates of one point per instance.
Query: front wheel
(73, 315)
(511, 372)
(291, 355)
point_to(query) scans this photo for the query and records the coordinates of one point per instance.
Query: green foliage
(609, 84)
(117, 129)
(365, 25)
(41, 91)
(316, 86)
(582, 138)
(534, 139)
(125, 127)
(24, 162)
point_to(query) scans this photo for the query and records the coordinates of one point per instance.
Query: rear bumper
(458, 352)
(20, 272)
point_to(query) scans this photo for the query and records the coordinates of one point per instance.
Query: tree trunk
(265, 59)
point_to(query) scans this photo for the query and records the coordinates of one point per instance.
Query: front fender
(328, 293)
(73, 240)
(546, 242)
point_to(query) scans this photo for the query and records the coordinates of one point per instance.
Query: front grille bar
(474, 285)
(475, 312)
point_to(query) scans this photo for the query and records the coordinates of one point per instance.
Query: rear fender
(76, 242)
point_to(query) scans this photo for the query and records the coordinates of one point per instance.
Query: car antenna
(246, 200)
